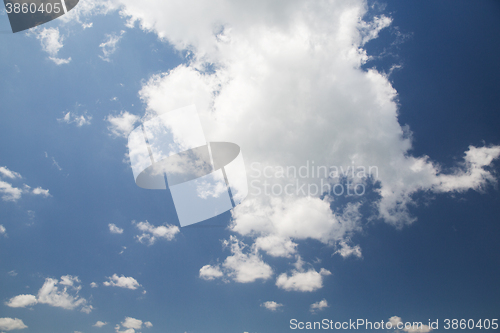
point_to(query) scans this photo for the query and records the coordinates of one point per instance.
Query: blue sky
(409, 89)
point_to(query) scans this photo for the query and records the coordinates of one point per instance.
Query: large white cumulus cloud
(283, 79)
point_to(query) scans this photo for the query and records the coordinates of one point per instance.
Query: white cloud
(41, 191)
(419, 174)
(87, 309)
(150, 233)
(51, 294)
(54, 162)
(409, 327)
(122, 282)
(109, 46)
(471, 173)
(276, 246)
(346, 250)
(93, 285)
(114, 229)
(3, 231)
(130, 322)
(9, 173)
(12, 273)
(87, 25)
(394, 320)
(314, 41)
(292, 71)
(12, 193)
(63, 294)
(31, 214)
(372, 29)
(272, 305)
(244, 265)
(301, 279)
(22, 301)
(318, 306)
(60, 61)
(122, 124)
(10, 324)
(74, 118)
(130, 330)
(69, 280)
(9, 192)
(52, 42)
(284, 217)
(100, 324)
(209, 272)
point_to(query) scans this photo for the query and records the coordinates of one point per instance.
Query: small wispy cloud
(72, 117)
(109, 46)
(272, 305)
(52, 42)
(41, 191)
(346, 250)
(9, 173)
(114, 229)
(318, 306)
(87, 25)
(122, 124)
(54, 162)
(209, 272)
(122, 282)
(12, 193)
(100, 324)
(9, 192)
(302, 279)
(150, 233)
(243, 266)
(132, 324)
